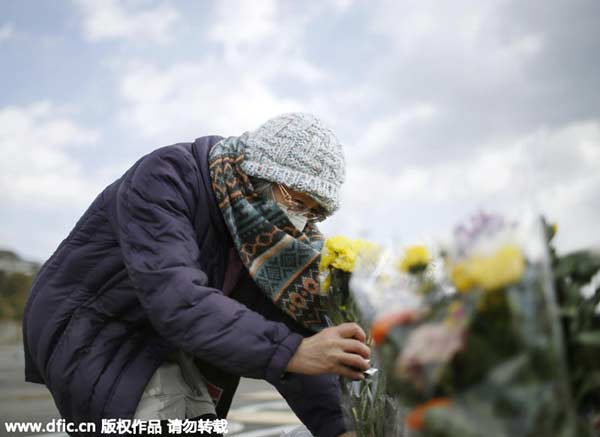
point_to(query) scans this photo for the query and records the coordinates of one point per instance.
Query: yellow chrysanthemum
(415, 258)
(340, 252)
(461, 277)
(503, 268)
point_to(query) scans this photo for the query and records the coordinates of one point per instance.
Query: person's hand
(339, 349)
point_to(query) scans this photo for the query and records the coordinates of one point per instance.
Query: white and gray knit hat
(300, 151)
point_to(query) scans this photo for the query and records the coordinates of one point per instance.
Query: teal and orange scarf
(281, 260)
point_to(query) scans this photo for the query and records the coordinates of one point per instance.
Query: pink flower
(430, 343)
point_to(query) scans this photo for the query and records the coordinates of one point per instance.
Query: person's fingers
(352, 330)
(353, 360)
(348, 372)
(355, 347)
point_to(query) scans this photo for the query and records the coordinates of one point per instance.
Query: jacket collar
(200, 148)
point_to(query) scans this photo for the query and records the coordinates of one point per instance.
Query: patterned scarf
(281, 260)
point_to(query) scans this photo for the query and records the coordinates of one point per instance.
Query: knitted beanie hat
(299, 151)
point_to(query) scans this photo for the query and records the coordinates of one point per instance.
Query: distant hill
(10, 262)
(16, 277)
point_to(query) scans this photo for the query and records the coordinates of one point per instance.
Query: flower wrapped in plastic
(367, 407)
(472, 341)
(338, 260)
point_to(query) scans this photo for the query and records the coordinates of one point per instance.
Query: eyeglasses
(298, 207)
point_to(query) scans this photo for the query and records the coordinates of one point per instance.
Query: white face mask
(298, 220)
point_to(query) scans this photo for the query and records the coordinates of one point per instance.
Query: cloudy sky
(444, 108)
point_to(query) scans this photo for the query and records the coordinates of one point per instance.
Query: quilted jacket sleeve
(154, 206)
(315, 399)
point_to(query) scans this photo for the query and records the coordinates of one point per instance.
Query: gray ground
(257, 411)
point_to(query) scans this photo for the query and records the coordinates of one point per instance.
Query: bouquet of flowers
(366, 404)
(472, 342)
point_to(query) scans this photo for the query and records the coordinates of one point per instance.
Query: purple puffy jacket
(142, 273)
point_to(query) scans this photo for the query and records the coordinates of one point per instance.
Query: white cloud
(342, 5)
(411, 24)
(264, 38)
(241, 25)
(471, 29)
(445, 107)
(36, 163)
(463, 53)
(228, 92)
(6, 32)
(195, 99)
(554, 171)
(112, 19)
(573, 205)
(386, 132)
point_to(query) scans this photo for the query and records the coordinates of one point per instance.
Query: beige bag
(176, 390)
